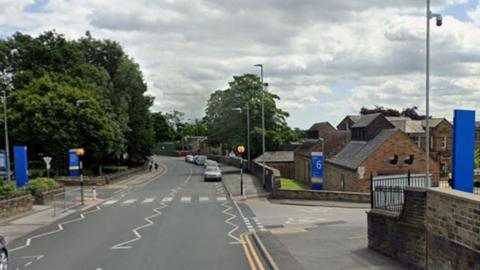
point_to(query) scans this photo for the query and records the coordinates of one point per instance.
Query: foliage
(476, 158)
(47, 74)
(114, 169)
(291, 184)
(8, 189)
(36, 172)
(41, 184)
(407, 112)
(228, 126)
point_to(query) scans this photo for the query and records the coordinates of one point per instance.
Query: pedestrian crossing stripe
(203, 199)
(110, 202)
(221, 199)
(167, 199)
(130, 201)
(185, 199)
(148, 200)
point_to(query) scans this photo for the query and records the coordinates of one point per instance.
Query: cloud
(189, 48)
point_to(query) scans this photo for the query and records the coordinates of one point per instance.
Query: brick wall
(321, 195)
(453, 223)
(286, 168)
(342, 179)
(437, 229)
(302, 169)
(15, 205)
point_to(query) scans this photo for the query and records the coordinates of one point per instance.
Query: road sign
(317, 165)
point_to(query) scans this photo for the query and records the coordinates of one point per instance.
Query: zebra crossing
(182, 199)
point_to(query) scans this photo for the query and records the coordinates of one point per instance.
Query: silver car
(210, 163)
(200, 159)
(212, 173)
(3, 254)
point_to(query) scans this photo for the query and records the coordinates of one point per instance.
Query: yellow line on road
(247, 253)
(254, 253)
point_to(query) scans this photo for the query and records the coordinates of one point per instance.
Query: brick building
(376, 148)
(441, 141)
(319, 130)
(348, 122)
(280, 160)
(333, 143)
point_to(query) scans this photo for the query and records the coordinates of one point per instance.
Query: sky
(325, 59)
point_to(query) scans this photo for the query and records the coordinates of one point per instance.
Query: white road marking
(60, 228)
(138, 236)
(27, 264)
(203, 199)
(148, 200)
(167, 199)
(186, 199)
(221, 199)
(110, 202)
(228, 221)
(129, 201)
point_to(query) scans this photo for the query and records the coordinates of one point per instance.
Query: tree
(227, 126)
(380, 109)
(162, 129)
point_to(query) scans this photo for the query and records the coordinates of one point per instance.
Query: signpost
(3, 164)
(241, 150)
(73, 163)
(317, 162)
(47, 164)
(463, 150)
(21, 165)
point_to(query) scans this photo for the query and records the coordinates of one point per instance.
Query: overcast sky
(324, 58)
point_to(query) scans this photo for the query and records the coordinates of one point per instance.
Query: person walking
(150, 166)
(156, 166)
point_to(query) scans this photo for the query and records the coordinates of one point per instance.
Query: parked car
(200, 159)
(212, 173)
(189, 158)
(211, 163)
(3, 254)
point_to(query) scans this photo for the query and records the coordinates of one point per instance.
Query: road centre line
(148, 200)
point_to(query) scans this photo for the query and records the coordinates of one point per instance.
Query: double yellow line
(251, 254)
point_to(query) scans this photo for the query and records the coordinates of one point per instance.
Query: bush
(114, 169)
(8, 189)
(41, 184)
(36, 173)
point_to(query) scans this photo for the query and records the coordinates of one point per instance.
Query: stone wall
(16, 205)
(44, 197)
(437, 229)
(341, 179)
(100, 180)
(321, 195)
(286, 168)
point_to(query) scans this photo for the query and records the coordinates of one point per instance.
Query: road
(174, 222)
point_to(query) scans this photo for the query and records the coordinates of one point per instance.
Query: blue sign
(21, 165)
(73, 163)
(463, 150)
(317, 162)
(3, 163)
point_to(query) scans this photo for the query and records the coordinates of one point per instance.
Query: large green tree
(226, 117)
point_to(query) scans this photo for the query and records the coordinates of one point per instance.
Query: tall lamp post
(248, 129)
(5, 125)
(80, 152)
(439, 20)
(263, 123)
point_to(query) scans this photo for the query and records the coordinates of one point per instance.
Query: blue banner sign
(3, 163)
(21, 165)
(317, 162)
(463, 150)
(73, 163)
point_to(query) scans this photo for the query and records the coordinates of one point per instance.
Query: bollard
(94, 192)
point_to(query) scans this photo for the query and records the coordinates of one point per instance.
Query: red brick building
(376, 148)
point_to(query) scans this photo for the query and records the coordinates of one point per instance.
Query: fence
(65, 200)
(387, 191)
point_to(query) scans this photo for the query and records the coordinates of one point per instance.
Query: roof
(322, 126)
(366, 120)
(354, 118)
(355, 152)
(305, 147)
(406, 124)
(433, 122)
(277, 156)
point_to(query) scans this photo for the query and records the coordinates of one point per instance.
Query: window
(444, 142)
(418, 141)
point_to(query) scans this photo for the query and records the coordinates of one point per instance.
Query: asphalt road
(174, 222)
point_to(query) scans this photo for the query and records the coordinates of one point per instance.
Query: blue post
(463, 150)
(21, 165)
(73, 163)
(317, 161)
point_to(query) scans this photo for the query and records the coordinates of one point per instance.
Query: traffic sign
(47, 160)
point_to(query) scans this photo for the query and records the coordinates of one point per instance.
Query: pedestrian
(150, 166)
(156, 166)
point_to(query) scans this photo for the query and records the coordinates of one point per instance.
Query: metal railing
(66, 200)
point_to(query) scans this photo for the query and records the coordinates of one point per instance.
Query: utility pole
(5, 125)
(263, 123)
(248, 134)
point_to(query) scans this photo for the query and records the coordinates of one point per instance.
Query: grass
(292, 184)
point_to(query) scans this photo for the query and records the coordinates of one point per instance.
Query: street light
(263, 123)
(80, 151)
(248, 129)
(5, 124)
(439, 22)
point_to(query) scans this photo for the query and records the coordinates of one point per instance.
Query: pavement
(176, 221)
(253, 186)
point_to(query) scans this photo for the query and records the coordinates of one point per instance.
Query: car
(209, 163)
(3, 254)
(189, 158)
(200, 159)
(212, 173)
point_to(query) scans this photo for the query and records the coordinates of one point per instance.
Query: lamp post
(248, 130)
(241, 150)
(5, 125)
(263, 123)
(80, 152)
(438, 18)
